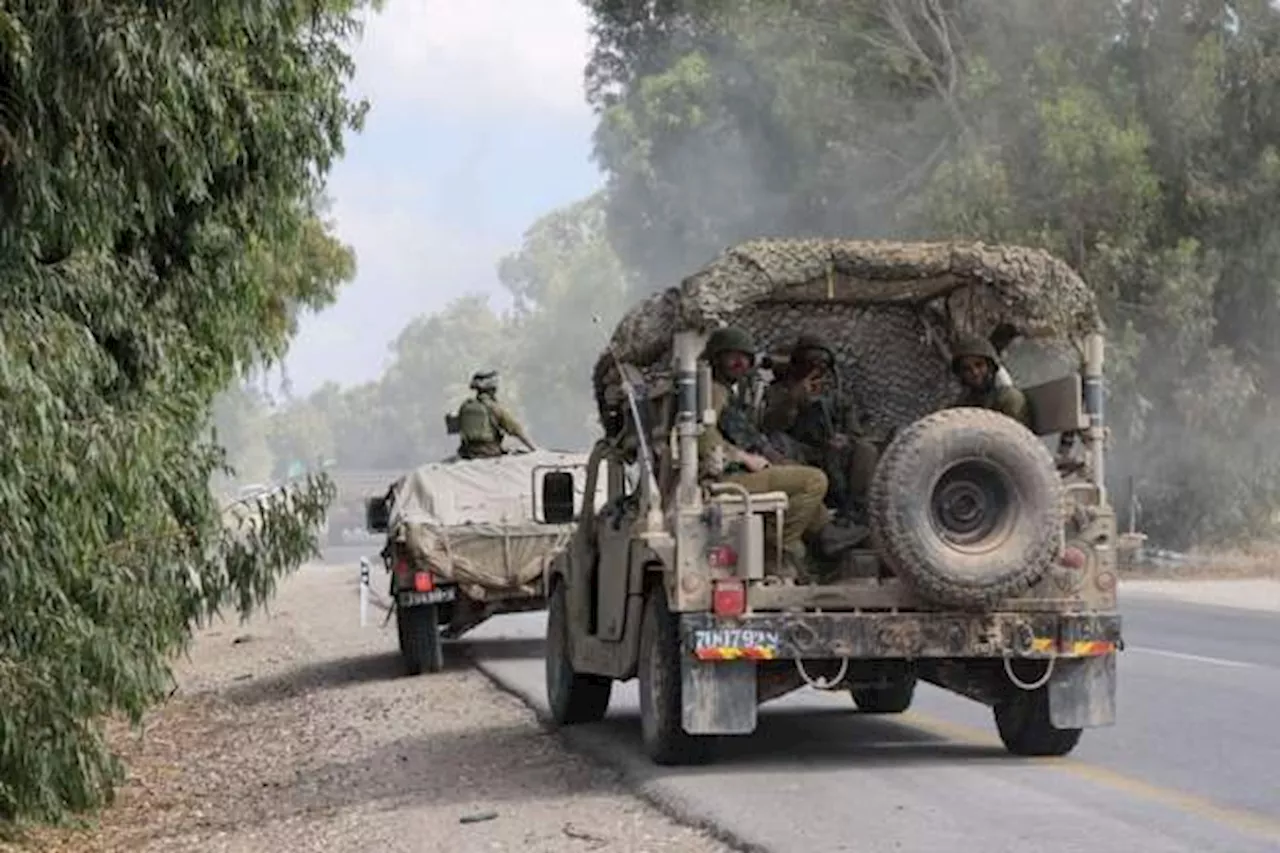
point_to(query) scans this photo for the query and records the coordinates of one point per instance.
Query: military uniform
(994, 394)
(805, 425)
(483, 422)
(720, 459)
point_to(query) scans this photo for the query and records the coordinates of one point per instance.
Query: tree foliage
(1136, 140)
(160, 170)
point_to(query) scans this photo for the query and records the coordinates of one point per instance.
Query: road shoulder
(298, 732)
(1257, 594)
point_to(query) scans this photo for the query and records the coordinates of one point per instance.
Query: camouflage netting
(887, 308)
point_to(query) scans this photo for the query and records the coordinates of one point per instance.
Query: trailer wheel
(419, 631)
(661, 719)
(573, 697)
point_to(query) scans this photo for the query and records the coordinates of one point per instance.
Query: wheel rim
(971, 506)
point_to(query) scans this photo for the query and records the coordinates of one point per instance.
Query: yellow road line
(1239, 819)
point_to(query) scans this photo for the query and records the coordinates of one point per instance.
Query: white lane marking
(1198, 658)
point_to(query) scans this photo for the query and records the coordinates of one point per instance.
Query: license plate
(435, 596)
(735, 644)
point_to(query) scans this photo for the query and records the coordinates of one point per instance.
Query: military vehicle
(464, 543)
(990, 567)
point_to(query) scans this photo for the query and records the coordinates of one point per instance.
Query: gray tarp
(472, 521)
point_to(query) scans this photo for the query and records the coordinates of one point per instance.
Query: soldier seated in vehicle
(483, 422)
(976, 364)
(732, 450)
(803, 416)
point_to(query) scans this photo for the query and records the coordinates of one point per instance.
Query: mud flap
(1082, 692)
(718, 697)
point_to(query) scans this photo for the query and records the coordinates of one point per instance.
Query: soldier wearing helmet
(483, 422)
(724, 456)
(975, 363)
(804, 416)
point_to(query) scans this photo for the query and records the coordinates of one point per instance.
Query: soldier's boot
(795, 564)
(832, 540)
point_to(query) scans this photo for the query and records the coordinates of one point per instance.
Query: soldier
(802, 415)
(975, 364)
(723, 456)
(483, 422)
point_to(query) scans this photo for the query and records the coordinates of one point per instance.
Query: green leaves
(159, 233)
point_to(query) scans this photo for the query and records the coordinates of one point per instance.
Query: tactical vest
(737, 425)
(476, 423)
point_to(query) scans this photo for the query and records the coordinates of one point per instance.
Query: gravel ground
(297, 732)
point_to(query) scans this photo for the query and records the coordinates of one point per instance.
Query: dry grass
(1254, 561)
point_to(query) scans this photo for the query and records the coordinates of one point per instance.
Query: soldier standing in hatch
(976, 365)
(483, 422)
(802, 416)
(723, 456)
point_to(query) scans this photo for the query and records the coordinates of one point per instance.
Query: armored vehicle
(990, 565)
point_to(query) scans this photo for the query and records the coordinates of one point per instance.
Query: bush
(160, 166)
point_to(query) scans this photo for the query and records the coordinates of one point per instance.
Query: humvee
(990, 567)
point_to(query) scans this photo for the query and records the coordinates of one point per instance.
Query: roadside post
(364, 591)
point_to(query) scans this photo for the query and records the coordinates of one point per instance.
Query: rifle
(737, 426)
(634, 405)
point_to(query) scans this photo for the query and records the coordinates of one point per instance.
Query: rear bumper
(791, 636)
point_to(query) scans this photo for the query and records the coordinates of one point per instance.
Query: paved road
(1192, 765)
(349, 554)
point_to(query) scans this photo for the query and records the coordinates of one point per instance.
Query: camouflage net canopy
(888, 309)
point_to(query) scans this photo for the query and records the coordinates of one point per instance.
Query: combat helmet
(729, 339)
(969, 345)
(811, 341)
(485, 381)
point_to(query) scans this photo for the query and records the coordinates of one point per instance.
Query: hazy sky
(478, 125)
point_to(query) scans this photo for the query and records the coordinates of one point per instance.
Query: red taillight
(729, 597)
(1072, 558)
(722, 557)
(422, 582)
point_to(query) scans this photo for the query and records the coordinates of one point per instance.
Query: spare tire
(967, 507)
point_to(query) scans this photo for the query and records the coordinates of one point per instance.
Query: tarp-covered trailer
(465, 541)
